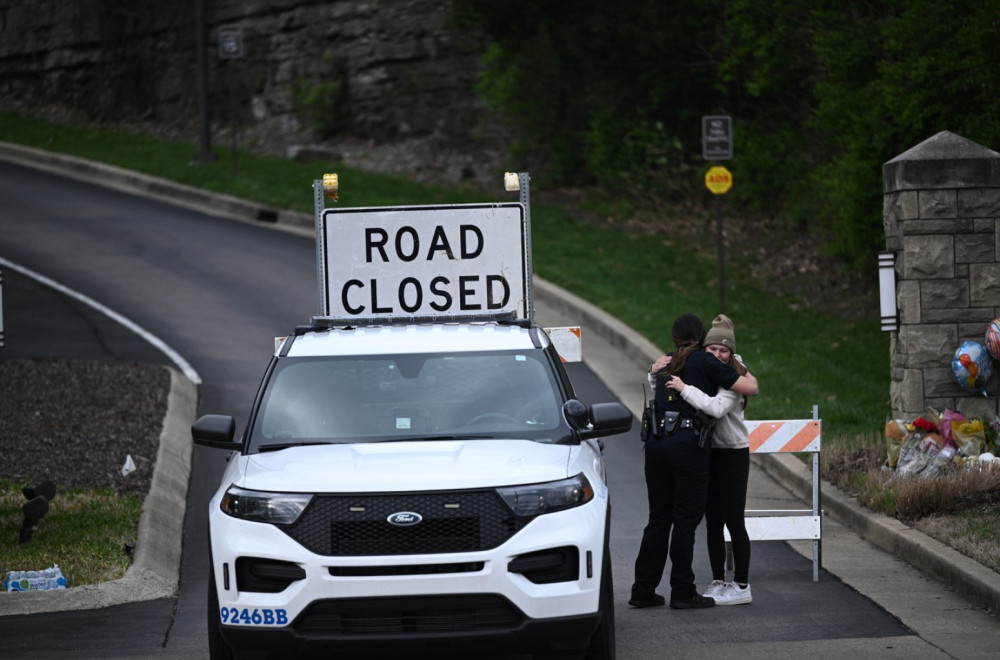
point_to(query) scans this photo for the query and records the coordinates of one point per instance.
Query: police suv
(416, 475)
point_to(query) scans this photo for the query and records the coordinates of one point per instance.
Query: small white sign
(230, 42)
(568, 342)
(717, 137)
(423, 261)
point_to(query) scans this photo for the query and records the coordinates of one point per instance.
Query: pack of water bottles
(44, 580)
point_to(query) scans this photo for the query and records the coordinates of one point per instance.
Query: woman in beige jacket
(729, 470)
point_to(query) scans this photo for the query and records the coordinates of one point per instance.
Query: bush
(322, 104)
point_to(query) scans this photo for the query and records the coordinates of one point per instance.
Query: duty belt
(674, 421)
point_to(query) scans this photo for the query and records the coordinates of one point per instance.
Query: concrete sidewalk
(617, 354)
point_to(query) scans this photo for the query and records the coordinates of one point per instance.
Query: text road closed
(424, 261)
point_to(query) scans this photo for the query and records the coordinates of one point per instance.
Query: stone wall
(409, 76)
(942, 220)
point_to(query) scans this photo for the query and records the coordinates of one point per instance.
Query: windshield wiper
(425, 438)
(277, 446)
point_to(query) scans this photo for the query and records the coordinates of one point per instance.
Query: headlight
(536, 499)
(259, 506)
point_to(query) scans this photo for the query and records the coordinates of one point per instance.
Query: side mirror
(576, 415)
(609, 419)
(215, 431)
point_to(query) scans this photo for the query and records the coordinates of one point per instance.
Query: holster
(706, 428)
(671, 418)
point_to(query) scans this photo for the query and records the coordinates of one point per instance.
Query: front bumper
(516, 597)
(471, 626)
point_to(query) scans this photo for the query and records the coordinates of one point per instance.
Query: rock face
(387, 85)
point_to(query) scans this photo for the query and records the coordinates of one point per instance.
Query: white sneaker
(731, 594)
(714, 588)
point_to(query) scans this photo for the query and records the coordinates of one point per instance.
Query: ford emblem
(404, 519)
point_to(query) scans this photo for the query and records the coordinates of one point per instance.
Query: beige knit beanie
(721, 333)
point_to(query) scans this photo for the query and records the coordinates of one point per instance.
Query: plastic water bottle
(58, 578)
(11, 579)
(49, 578)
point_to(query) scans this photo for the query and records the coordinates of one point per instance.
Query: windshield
(406, 397)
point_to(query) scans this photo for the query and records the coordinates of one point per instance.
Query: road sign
(717, 137)
(230, 42)
(718, 179)
(385, 263)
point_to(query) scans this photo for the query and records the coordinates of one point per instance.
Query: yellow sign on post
(718, 179)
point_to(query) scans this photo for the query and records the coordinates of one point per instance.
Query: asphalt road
(218, 291)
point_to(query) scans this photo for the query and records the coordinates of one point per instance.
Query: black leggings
(727, 501)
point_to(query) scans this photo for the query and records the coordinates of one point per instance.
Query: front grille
(408, 615)
(357, 525)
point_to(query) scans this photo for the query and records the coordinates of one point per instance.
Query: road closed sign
(718, 180)
(387, 264)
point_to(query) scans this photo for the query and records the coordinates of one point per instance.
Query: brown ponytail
(687, 332)
(742, 370)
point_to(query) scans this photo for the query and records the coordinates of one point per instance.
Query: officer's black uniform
(677, 484)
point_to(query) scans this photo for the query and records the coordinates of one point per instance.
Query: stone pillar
(941, 210)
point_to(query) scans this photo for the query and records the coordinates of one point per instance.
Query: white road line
(174, 356)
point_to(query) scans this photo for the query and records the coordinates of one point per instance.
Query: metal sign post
(1, 310)
(717, 144)
(719, 180)
(231, 48)
(205, 153)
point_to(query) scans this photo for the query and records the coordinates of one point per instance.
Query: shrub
(322, 103)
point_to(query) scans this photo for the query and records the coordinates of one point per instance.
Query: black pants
(727, 502)
(677, 486)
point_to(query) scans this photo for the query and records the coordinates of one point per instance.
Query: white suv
(413, 489)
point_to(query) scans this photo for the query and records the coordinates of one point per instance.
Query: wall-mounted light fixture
(887, 291)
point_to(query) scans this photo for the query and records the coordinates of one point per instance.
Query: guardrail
(794, 436)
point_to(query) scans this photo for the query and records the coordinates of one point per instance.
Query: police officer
(676, 469)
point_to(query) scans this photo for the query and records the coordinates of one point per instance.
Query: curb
(133, 182)
(155, 570)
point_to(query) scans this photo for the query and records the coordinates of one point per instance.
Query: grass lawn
(84, 532)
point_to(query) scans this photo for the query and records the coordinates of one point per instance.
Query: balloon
(972, 367)
(993, 339)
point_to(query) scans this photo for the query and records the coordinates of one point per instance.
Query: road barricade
(795, 436)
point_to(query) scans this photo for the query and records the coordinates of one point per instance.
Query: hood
(405, 466)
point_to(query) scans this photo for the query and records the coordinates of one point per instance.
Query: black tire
(602, 641)
(217, 647)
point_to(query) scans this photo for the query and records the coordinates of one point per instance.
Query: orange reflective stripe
(760, 434)
(803, 438)
(790, 435)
